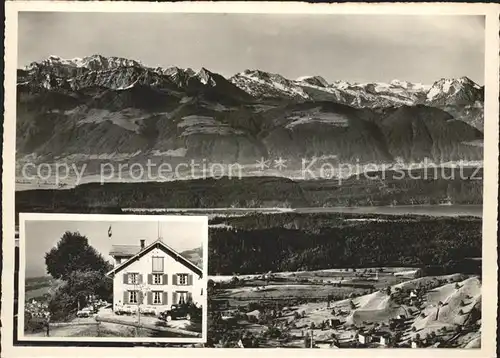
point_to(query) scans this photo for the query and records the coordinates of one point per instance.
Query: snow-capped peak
(399, 83)
(94, 62)
(260, 83)
(205, 77)
(341, 84)
(313, 80)
(454, 90)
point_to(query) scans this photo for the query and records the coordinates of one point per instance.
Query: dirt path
(87, 326)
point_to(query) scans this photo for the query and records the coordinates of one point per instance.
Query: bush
(33, 324)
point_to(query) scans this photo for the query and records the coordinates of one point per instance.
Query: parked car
(147, 311)
(85, 312)
(124, 310)
(181, 311)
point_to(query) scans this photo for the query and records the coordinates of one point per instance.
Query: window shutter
(165, 280)
(150, 298)
(174, 298)
(125, 297)
(140, 298)
(174, 279)
(189, 297)
(139, 278)
(150, 279)
(190, 280)
(165, 298)
(125, 276)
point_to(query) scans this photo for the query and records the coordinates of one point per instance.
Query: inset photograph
(112, 278)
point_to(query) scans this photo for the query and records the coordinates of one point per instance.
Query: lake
(431, 210)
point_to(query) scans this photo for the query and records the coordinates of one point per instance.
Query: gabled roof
(160, 245)
(124, 250)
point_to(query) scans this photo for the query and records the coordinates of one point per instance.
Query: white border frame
(26, 217)
(489, 287)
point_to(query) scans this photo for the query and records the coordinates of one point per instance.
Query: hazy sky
(42, 235)
(358, 48)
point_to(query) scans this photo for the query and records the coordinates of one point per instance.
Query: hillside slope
(98, 106)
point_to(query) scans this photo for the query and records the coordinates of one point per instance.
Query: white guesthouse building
(152, 278)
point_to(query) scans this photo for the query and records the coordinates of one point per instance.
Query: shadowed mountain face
(99, 106)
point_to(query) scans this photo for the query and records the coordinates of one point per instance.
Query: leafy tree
(73, 253)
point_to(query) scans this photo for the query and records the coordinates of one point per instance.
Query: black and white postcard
(112, 278)
(343, 157)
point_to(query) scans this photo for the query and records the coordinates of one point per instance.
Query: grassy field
(38, 287)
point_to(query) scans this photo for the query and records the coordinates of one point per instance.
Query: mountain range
(112, 107)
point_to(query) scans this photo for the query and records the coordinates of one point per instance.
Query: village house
(381, 337)
(154, 277)
(254, 315)
(334, 322)
(416, 344)
(364, 338)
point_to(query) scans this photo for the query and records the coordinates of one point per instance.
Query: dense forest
(290, 242)
(457, 186)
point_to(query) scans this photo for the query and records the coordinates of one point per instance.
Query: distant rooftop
(124, 250)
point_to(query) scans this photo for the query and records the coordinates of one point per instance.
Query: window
(182, 297)
(182, 279)
(157, 297)
(157, 279)
(132, 296)
(133, 278)
(157, 264)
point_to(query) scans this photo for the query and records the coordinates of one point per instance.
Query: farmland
(285, 310)
(39, 287)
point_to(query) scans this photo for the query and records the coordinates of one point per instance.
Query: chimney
(142, 244)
